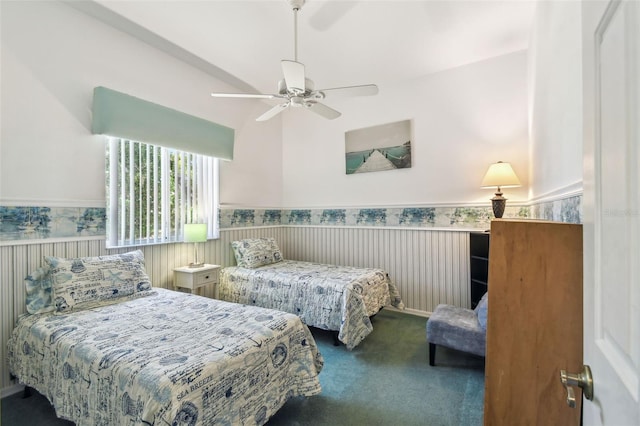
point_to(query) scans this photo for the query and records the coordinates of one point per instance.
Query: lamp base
(196, 264)
(498, 203)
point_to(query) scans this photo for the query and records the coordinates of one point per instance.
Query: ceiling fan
(298, 91)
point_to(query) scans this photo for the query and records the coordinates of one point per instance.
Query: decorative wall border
(561, 205)
(42, 223)
(567, 210)
(20, 223)
(405, 217)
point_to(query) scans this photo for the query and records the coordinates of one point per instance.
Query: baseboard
(10, 390)
(408, 311)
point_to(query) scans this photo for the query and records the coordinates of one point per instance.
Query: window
(153, 191)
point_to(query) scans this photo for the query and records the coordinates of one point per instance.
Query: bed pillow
(38, 287)
(85, 282)
(254, 252)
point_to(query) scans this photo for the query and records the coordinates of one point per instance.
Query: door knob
(584, 380)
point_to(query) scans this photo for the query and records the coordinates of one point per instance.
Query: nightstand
(194, 278)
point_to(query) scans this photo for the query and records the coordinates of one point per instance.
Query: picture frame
(378, 148)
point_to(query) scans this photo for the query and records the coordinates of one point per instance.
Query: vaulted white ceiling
(341, 43)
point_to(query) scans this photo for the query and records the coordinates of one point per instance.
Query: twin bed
(105, 347)
(329, 297)
(154, 356)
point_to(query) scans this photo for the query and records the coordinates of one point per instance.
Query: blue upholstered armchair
(458, 328)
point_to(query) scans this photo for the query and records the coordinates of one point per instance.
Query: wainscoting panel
(17, 261)
(429, 267)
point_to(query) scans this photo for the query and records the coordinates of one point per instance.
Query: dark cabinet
(479, 265)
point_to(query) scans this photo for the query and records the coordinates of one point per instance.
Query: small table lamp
(500, 175)
(195, 233)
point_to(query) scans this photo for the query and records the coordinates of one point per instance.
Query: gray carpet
(386, 380)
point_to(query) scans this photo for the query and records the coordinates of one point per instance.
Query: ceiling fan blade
(323, 110)
(245, 95)
(363, 90)
(273, 112)
(294, 76)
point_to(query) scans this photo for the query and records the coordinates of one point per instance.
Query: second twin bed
(329, 297)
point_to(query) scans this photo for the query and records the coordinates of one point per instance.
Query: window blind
(153, 191)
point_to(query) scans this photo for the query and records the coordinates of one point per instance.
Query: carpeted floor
(386, 380)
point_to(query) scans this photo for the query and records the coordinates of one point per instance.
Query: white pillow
(254, 252)
(89, 281)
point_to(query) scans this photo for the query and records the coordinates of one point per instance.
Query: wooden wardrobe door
(534, 324)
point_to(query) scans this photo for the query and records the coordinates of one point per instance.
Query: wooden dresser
(534, 326)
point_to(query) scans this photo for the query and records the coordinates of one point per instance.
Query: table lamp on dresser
(500, 175)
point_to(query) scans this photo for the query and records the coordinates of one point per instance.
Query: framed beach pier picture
(378, 148)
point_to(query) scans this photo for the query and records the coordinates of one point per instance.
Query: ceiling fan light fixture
(297, 101)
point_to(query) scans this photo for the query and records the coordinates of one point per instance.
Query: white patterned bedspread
(169, 358)
(329, 297)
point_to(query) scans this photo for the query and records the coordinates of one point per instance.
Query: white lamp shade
(195, 232)
(501, 175)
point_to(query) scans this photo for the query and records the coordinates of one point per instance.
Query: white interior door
(611, 68)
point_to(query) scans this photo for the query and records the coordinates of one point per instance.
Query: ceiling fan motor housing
(308, 89)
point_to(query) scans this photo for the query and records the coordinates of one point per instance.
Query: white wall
(254, 177)
(52, 58)
(463, 120)
(556, 99)
(53, 55)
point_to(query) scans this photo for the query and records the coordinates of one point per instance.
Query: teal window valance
(124, 116)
